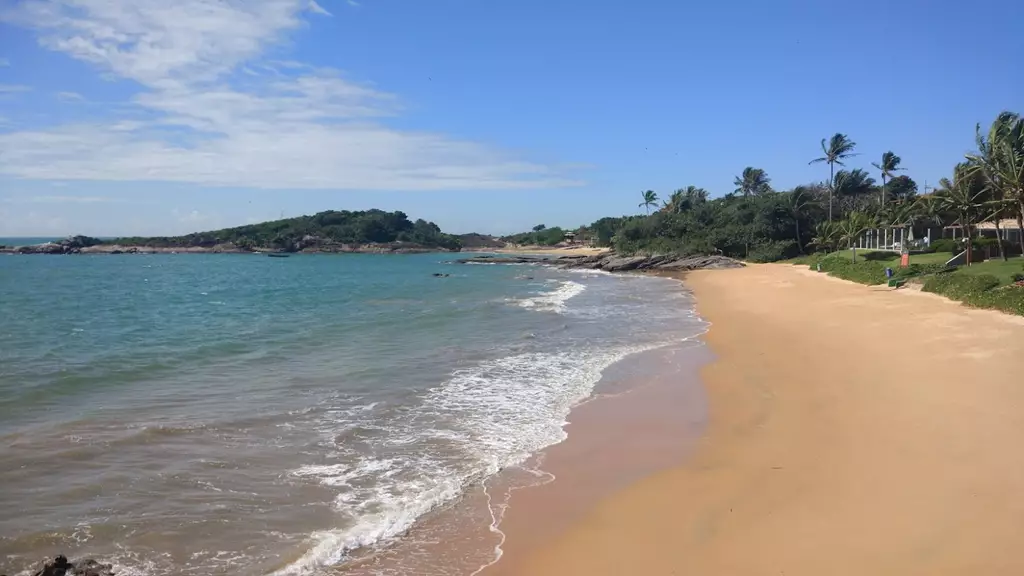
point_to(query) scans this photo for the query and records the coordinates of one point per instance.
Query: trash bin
(888, 272)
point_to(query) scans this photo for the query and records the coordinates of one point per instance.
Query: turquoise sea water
(205, 414)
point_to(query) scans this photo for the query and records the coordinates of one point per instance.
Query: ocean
(211, 414)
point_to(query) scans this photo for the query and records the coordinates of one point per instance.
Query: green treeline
(759, 223)
(322, 229)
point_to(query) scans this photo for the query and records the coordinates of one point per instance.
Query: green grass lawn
(996, 267)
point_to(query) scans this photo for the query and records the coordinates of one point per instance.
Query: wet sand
(853, 430)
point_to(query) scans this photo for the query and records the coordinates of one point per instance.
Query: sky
(149, 117)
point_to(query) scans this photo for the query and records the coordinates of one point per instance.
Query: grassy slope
(983, 285)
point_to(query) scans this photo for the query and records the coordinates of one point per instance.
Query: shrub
(1008, 299)
(862, 272)
(960, 286)
(919, 270)
(772, 251)
(945, 245)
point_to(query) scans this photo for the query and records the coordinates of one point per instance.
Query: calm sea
(212, 414)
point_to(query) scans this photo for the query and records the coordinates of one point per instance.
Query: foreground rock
(612, 262)
(60, 566)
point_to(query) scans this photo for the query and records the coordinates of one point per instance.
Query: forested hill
(323, 231)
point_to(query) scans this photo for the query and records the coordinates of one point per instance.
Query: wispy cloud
(13, 88)
(49, 199)
(221, 116)
(318, 9)
(4, 62)
(70, 97)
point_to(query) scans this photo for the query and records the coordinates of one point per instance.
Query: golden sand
(854, 430)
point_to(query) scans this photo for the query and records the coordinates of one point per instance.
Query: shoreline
(852, 430)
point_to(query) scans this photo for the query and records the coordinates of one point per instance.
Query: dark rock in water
(501, 260)
(69, 245)
(439, 275)
(60, 566)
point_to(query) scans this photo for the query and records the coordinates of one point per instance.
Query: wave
(481, 420)
(555, 300)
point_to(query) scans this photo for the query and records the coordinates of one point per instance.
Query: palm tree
(1000, 159)
(798, 202)
(753, 181)
(650, 199)
(889, 165)
(964, 196)
(826, 235)
(852, 228)
(837, 149)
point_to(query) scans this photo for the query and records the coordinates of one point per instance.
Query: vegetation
(320, 230)
(650, 199)
(540, 236)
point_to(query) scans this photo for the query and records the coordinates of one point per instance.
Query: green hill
(326, 231)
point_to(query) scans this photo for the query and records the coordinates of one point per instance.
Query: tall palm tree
(650, 199)
(852, 228)
(798, 202)
(836, 149)
(1000, 159)
(965, 197)
(753, 181)
(889, 165)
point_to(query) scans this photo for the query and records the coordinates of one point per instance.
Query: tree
(1000, 160)
(964, 196)
(650, 199)
(901, 188)
(539, 227)
(853, 183)
(852, 228)
(836, 149)
(798, 202)
(826, 235)
(890, 164)
(752, 182)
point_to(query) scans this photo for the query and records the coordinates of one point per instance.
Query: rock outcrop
(612, 262)
(60, 566)
(69, 245)
(503, 260)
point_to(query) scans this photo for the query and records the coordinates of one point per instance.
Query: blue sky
(155, 117)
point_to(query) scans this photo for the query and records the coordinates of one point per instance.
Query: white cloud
(49, 199)
(218, 115)
(70, 97)
(318, 9)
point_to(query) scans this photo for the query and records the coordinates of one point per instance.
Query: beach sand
(853, 430)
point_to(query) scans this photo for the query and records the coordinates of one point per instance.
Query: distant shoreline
(115, 249)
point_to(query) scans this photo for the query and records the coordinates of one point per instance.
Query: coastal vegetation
(321, 230)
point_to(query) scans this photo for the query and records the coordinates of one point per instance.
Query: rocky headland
(612, 262)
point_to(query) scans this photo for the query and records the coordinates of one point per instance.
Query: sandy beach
(853, 430)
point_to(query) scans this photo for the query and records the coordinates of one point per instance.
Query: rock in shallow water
(60, 566)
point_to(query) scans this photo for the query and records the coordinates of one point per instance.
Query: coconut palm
(798, 202)
(836, 149)
(965, 197)
(1000, 159)
(889, 165)
(826, 235)
(650, 199)
(852, 228)
(752, 182)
